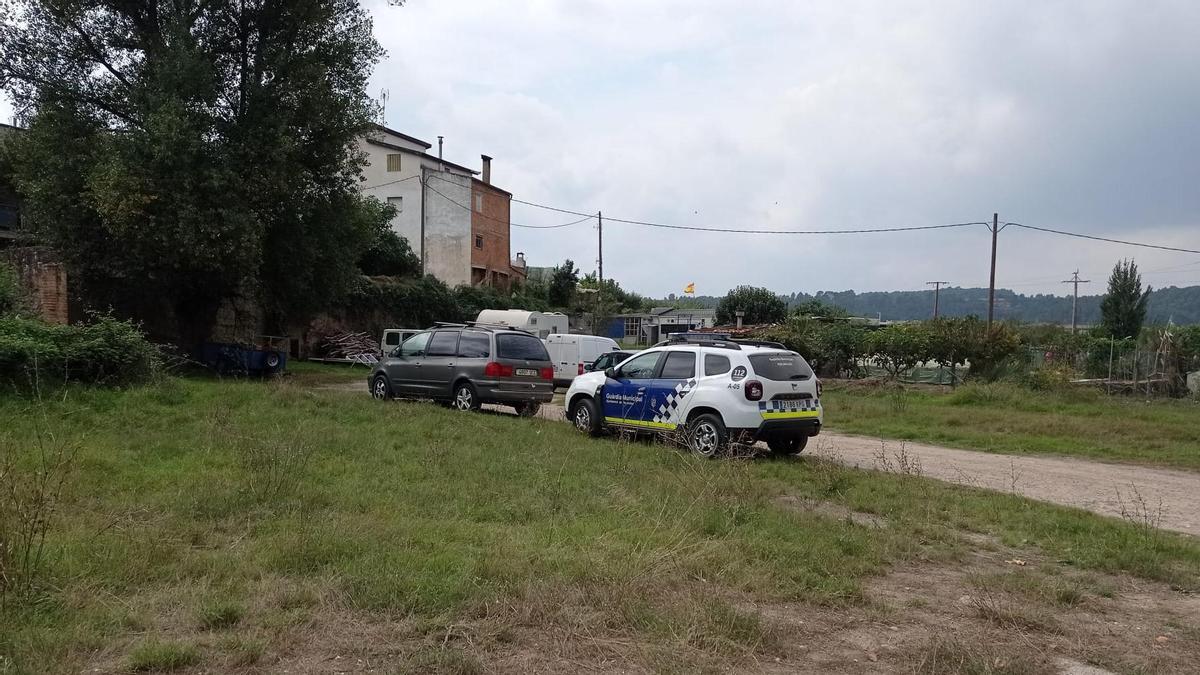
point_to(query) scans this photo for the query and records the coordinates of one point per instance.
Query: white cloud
(817, 116)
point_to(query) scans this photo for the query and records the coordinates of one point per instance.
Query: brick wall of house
(490, 218)
(45, 280)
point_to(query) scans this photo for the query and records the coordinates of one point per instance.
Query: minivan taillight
(580, 369)
(754, 390)
(494, 369)
(548, 373)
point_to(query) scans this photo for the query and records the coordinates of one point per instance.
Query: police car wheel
(585, 418)
(788, 445)
(706, 436)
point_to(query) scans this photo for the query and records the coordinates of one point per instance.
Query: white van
(392, 337)
(570, 353)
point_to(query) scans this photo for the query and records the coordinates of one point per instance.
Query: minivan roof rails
(478, 324)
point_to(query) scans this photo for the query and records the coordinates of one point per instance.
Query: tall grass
(410, 510)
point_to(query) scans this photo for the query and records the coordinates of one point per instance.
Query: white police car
(707, 387)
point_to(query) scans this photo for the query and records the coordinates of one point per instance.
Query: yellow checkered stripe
(791, 415)
(640, 423)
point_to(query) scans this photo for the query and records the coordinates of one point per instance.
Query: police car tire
(697, 435)
(592, 416)
(792, 445)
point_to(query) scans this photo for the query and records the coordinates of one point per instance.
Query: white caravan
(541, 324)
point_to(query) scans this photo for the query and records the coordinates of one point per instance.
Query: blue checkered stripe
(668, 410)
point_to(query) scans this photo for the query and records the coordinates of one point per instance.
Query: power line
(503, 221)
(697, 228)
(393, 182)
(1111, 241)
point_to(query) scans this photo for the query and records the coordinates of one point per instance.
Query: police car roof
(719, 340)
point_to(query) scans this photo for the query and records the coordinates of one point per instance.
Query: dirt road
(1162, 497)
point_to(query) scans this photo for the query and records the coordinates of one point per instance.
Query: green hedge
(107, 351)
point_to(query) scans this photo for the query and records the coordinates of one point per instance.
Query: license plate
(527, 372)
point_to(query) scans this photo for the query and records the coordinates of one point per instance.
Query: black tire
(706, 435)
(585, 416)
(787, 445)
(380, 389)
(528, 409)
(464, 397)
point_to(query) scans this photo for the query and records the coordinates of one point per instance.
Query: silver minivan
(466, 366)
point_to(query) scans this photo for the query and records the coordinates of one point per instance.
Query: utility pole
(992, 278)
(600, 243)
(937, 287)
(1075, 298)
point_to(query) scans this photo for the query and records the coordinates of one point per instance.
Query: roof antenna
(383, 101)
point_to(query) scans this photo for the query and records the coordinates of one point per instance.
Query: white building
(432, 199)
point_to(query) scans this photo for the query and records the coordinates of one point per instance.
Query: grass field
(221, 526)
(1013, 420)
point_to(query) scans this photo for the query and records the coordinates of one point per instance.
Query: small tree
(562, 284)
(1123, 310)
(761, 305)
(900, 347)
(818, 307)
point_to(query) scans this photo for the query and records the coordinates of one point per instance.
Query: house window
(398, 203)
(633, 326)
(393, 162)
(479, 241)
(479, 202)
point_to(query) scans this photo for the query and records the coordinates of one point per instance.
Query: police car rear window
(781, 366)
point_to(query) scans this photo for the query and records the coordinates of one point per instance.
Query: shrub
(900, 347)
(760, 305)
(107, 351)
(10, 290)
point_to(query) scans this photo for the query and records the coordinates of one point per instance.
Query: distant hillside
(1181, 305)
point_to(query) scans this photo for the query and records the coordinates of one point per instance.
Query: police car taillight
(818, 387)
(754, 390)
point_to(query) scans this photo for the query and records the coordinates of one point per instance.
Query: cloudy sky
(1082, 116)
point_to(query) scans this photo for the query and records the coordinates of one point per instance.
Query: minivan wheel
(787, 445)
(529, 409)
(380, 390)
(585, 417)
(465, 397)
(706, 436)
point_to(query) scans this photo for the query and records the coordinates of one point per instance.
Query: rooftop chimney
(520, 261)
(439, 148)
(487, 169)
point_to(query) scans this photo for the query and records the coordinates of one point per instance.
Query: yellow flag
(690, 288)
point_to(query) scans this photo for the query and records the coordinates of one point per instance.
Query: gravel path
(1162, 497)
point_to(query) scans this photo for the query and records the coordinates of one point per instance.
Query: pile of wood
(352, 346)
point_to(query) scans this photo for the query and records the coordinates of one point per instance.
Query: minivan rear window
(524, 347)
(781, 366)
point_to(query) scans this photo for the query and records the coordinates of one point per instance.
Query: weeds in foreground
(30, 491)
(158, 655)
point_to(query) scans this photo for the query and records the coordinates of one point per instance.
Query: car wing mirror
(610, 373)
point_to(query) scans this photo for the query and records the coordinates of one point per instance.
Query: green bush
(108, 351)
(10, 290)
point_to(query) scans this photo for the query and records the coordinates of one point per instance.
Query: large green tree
(761, 305)
(183, 151)
(1123, 309)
